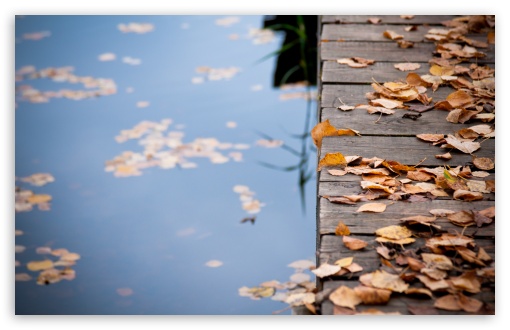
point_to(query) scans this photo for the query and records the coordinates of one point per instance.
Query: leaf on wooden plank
(478, 186)
(420, 107)
(322, 130)
(387, 103)
(419, 292)
(460, 115)
(39, 265)
(344, 262)
(346, 107)
(374, 20)
(441, 212)
(372, 296)
(467, 195)
(448, 302)
(449, 240)
(430, 137)
(392, 35)
(345, 297)
(420, 176)
(372, 207)
(445, 156)
(342, 229)
(432, 284)
(300, 298)
(375, 186)
(420, 219)
(468, 304)
(384, 280)
(437, 70)
(464, 146)
(386, 253)
(407, 66)
(480, 219)
(437, 261)
(371, 110)
(422, 310)
(462, 218)
(489, 212)
(459, 98)
(394, 232)
(332, 159)
(415, 264)
(326, 270)
(483, 163)
(401, 241)
(340, 200)
(354, 243)
(468, 282)
(339, 310)
(356, 62)
(396, 167)
(483, 255)
(482, 129)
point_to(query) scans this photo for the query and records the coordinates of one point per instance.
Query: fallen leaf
(321, 130)
(483, 163)
(346, 107)
(448, 302)
(422, 310)
(372, 296)
(39, 265)
(394, 232)
(326, 270)
(386, 253)
(300, 298)
(411, 28)
(407, 66)
(372, 110)
(39, 198)
(302, 264)
(464, 146)
(214, 263)
(342, 229)
(430, 137)
(23, 277)
(337, 172)
(374, 20)
(467, 195)
(482, 255)
(344, 262)
(124, 292)
(437, 261)
(372, 207)
(419, 291)
(386, 103)
(405, 44)
(434, 285)
(459, 98)
(407, 16)
(338, 310)
(332, 159)
(449, 240)
(384, 280)
(392, 35)
(462, 218)
(441, 212)
(356, 62)
(354, 243)
(446, 156)
(468, 304)
(345, 297)
(467, 281)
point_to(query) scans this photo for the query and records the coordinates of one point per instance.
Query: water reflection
(146, 162)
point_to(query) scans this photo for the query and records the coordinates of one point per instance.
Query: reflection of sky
(154, 233)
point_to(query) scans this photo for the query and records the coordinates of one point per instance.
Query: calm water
(159, 231)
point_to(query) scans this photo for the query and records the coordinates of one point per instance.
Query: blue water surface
(154, 233)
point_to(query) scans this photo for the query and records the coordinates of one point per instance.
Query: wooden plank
(332, 248)
(389, 19)
(433, 122)
(373, 32)
(388, 51)
(333, 72)
(406, 150)
(355, 94)
(400, 302)
(367, 223)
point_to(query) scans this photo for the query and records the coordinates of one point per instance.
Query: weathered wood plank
(433, 122)
(400, 302)
(332, 248)
(373, 32)
(388, 19)
(333, 72)
(388, 51)
(355, 94)
(366, 223)
(406, 150)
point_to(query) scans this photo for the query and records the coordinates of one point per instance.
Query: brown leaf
(386, 253)
(39, 198)
(419, 291)
(433, 285)
(430, 137)
(371, 110)
(338, 310)
(464, 146)
(392, 35)
(344, 262)
(489, 212)
(372, 296)
(446, 156)
(39, 265)
(470, 305)
(449, 240)
(459, 98)
(372, 207)
(337, 172)
(374, 20)
(483, 163)
(407, 66)
(467, 281)
(437, 261)
(462, 218)
(387, 103)
(401, 241)
(441, 212)
(394, 232)
(415, 264)
(342, 229)
(321, 130)
(482, 255)
(332, 159)
(422, 310)
(356, 62)
(326, 270)
(383, 280)
(345, 297)
(354, 243)
(448, 302)
(467, 195)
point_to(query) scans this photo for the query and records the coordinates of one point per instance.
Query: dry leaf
(419, 291)
(459, 98)
(384, 280)
(467, 281)
(449, 240)
(441, 212)
(356, 62)
(446, 156)
(464, 146)
(342, 229)
(448, 302)
(462, 218)
(354, 243)
(392, 35)
(321, 130)
(386, 103)
(374, 20)
(39, 198)
(372, 296)
(467, 195)
(470, 305)
(386, 253)
(326, 270)
(394, 232)
(39, 265)
(344, 262)
(407, 66)
(332, 159)
(372, 207)
(437, 261)
(372, 110)
(433, 285)
(430, 137)
(483, 163)
(345, 297)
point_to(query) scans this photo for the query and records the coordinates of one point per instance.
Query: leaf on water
(39, 198)
(384, 280)
(332, 159)
(392, 35)
(300, 298)
(71, 256)
(302, 264)
(407, 66)
(124, 292)
(372, 207)
(342, 229)
(467, 195)
(464, 146)
(430, 137)
(356, 62)
(345, 297)
(214, 263)
(372, 296)
(19, 248)
(298, 278)
(483, 163)
(354, 243)
(39, 265)
(22, 277)
(326, 270)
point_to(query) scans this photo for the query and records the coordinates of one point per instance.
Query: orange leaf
(372, 295)
(332, 159)
(372, 207)
(354, 243)
(321, 130)
(342, 229)
(345, 297)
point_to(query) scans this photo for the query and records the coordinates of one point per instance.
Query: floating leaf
(300, 298)
(372, 207)
(214, 263)
(302, 264)
(22, 277)
(39, 198)
(39, 265)
(124, 292)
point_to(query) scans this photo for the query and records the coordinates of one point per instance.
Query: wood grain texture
(388, 19)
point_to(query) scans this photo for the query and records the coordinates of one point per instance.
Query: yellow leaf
(321, 130)
(383, 280)
(39, 265)
(394, 232)
(345, 262)
(332, 159)
(40, 198)
(342, 229)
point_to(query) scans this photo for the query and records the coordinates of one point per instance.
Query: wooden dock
(406, 274)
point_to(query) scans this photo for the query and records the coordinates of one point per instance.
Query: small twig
(378, 118)
(421, 161)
